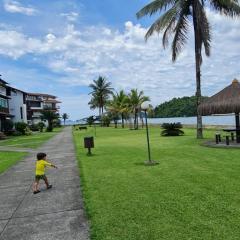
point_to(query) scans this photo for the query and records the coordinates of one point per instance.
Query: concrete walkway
(52, 214)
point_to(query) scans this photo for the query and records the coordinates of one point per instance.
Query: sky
(60, 46)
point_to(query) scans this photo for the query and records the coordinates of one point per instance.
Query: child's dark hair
(40, 156)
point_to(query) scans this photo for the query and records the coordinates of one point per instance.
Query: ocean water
(228, 120)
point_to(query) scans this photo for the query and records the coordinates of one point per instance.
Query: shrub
(28, 132)
(41, 125)
(8, 125)
(34, 127)
(21, 127)
(56, 123)
(172, 129)
(16, 133)
(90, 120)
(106, 120)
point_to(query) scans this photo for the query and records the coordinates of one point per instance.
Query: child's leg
(46, 181)
(36, 185)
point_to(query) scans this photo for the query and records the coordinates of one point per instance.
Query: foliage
(135, 99)
(101, 89)
(172, 129)
(41, 125)
(177, 107)
(117, 106)
(90, 120)
(50, 116)
(28, 132)
(16, 133)
(34, 127)
(106, 120)
(65, 117)
(8, 125)
(21, 127)
(57, 123)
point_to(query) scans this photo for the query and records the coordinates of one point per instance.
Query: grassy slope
(194, 193)
(32, 141)
(7, 159)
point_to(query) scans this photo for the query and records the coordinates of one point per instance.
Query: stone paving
(52, 214)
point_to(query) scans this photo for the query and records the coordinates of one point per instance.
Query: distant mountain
(177, 107)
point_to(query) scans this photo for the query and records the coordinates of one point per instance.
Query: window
(3, 103)
(21, 112)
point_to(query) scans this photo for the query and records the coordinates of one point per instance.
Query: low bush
(21, 127)
(34, 127)
(16, 133)
(172, 129)
(41, 125)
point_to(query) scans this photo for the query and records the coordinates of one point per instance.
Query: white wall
(15, 103)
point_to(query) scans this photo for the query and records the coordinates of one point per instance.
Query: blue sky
(60, 46)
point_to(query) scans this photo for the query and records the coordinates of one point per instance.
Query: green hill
(177, 107)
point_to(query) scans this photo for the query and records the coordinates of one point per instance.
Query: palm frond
(204, 27)
(180, 37)
(162, 22)
(227, 7)
(153, 7)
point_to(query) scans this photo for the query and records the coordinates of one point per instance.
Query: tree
(118, 106)
(135, 99)
(175, 19)
(65, 117)
(101, 89)
(50, 116)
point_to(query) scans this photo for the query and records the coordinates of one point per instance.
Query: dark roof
(223, 102)
(41, 94)
(3, 82)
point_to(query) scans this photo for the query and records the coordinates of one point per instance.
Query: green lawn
(32, 141)
(7, 159)
(194, 192)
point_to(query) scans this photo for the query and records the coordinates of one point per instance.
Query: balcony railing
(4, 110)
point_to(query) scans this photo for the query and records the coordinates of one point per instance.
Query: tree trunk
(122, 120)
(198, 60)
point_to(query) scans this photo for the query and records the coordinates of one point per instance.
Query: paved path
(52, 214)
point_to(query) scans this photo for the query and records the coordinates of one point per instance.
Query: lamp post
(95, 130)
(145, 106)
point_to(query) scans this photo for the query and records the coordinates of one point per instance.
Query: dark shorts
(38, 177)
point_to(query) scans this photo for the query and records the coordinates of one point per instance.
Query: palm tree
(50, 116)
(176, 15)
(119, 105)
(135, 99)
(101, 89)
(65, 117)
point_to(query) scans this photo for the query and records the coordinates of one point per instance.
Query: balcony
(4, 111)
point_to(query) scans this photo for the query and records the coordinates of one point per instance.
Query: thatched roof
(223, 102)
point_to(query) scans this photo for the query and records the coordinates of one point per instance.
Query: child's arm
(52, 165)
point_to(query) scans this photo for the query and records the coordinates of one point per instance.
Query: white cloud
(15, 7)
(71, 16)
(80, 55)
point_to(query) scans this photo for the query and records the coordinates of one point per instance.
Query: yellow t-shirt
(40, 166)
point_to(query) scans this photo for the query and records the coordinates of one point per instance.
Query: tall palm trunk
(198, 60)
(122, 120)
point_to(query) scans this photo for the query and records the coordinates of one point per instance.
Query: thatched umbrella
(223, 102)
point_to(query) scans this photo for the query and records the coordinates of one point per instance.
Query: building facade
(38, 102)
(17, 105)
(4, 104)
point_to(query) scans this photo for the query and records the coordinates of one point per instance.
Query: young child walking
(40, 171)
